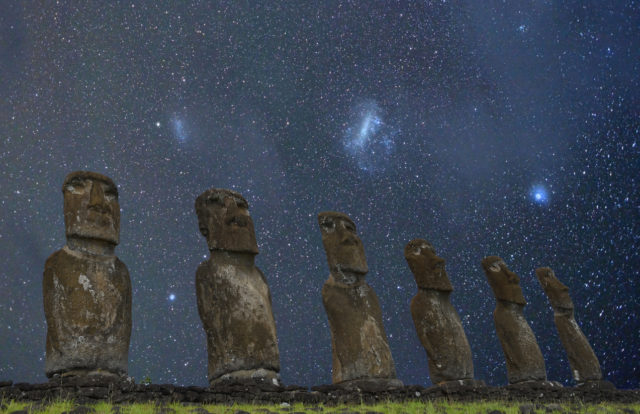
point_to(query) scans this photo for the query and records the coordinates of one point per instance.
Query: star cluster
(368, 140)
(487, 128)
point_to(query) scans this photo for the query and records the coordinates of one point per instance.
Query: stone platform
(93, 390)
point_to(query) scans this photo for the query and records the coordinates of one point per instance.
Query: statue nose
(349, 239)
(96, 198)
(230, 204)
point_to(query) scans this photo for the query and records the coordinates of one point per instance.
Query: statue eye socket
(417, 251)
(350, 227)
(111, 194)
(214, 201)
(495, 267)
(328, 225)
(76, 184)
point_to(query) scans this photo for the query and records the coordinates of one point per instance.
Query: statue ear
(204, 230)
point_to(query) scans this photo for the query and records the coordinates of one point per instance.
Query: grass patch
(412, 407)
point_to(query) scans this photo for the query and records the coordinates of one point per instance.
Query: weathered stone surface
(358, 338)
(86, 288)
(463, 384)
(519, 345)
(428, 268)
(437, 322)
(224, 220)
(583, 361)
(597, 385)
(234, 301)
(328, 395)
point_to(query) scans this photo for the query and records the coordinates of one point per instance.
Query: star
(539, 194)
(395, 117)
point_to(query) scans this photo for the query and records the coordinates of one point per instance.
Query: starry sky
(486, 127)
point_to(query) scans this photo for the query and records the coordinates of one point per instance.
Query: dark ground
(84, 391)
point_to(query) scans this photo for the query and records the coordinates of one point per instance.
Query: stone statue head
(426, 266)
(505, 283)
(224, 220)
(91, 209)
(557, 293)
(344, 249)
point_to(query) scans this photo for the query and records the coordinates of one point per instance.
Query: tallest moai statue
(86, 288)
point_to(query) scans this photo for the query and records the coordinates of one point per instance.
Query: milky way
(418, 119)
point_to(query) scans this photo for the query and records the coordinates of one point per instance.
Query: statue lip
(350, 269)
(98, 209)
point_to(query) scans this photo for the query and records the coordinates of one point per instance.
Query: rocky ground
(92, 390)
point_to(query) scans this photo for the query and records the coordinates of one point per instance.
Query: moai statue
(583, 361)
(437, 322)
(234, 301)
(361, 354)
(521, 351)
(86, 288)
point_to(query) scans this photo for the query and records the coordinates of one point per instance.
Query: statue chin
(348, 275)
(234, 248)
(352, 269)
(100, 234)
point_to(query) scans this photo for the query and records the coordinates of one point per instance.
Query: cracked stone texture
(234, 301)
(583, 361)
(358, 337)
(86, 288)
(519, 345)
(436, 321)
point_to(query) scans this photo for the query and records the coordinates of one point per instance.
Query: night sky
(486, 127)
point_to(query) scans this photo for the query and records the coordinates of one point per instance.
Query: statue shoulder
(261, 275)
(333, 291)
(56, 257)
(121, 266)
(418, 301)
(204, 269)
(204, 266)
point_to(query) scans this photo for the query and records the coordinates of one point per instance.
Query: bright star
(158, 124)
(539, 194)
(172, 297)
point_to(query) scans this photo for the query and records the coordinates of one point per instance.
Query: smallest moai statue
(437, 322)
(583, 361)
(522, 353)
